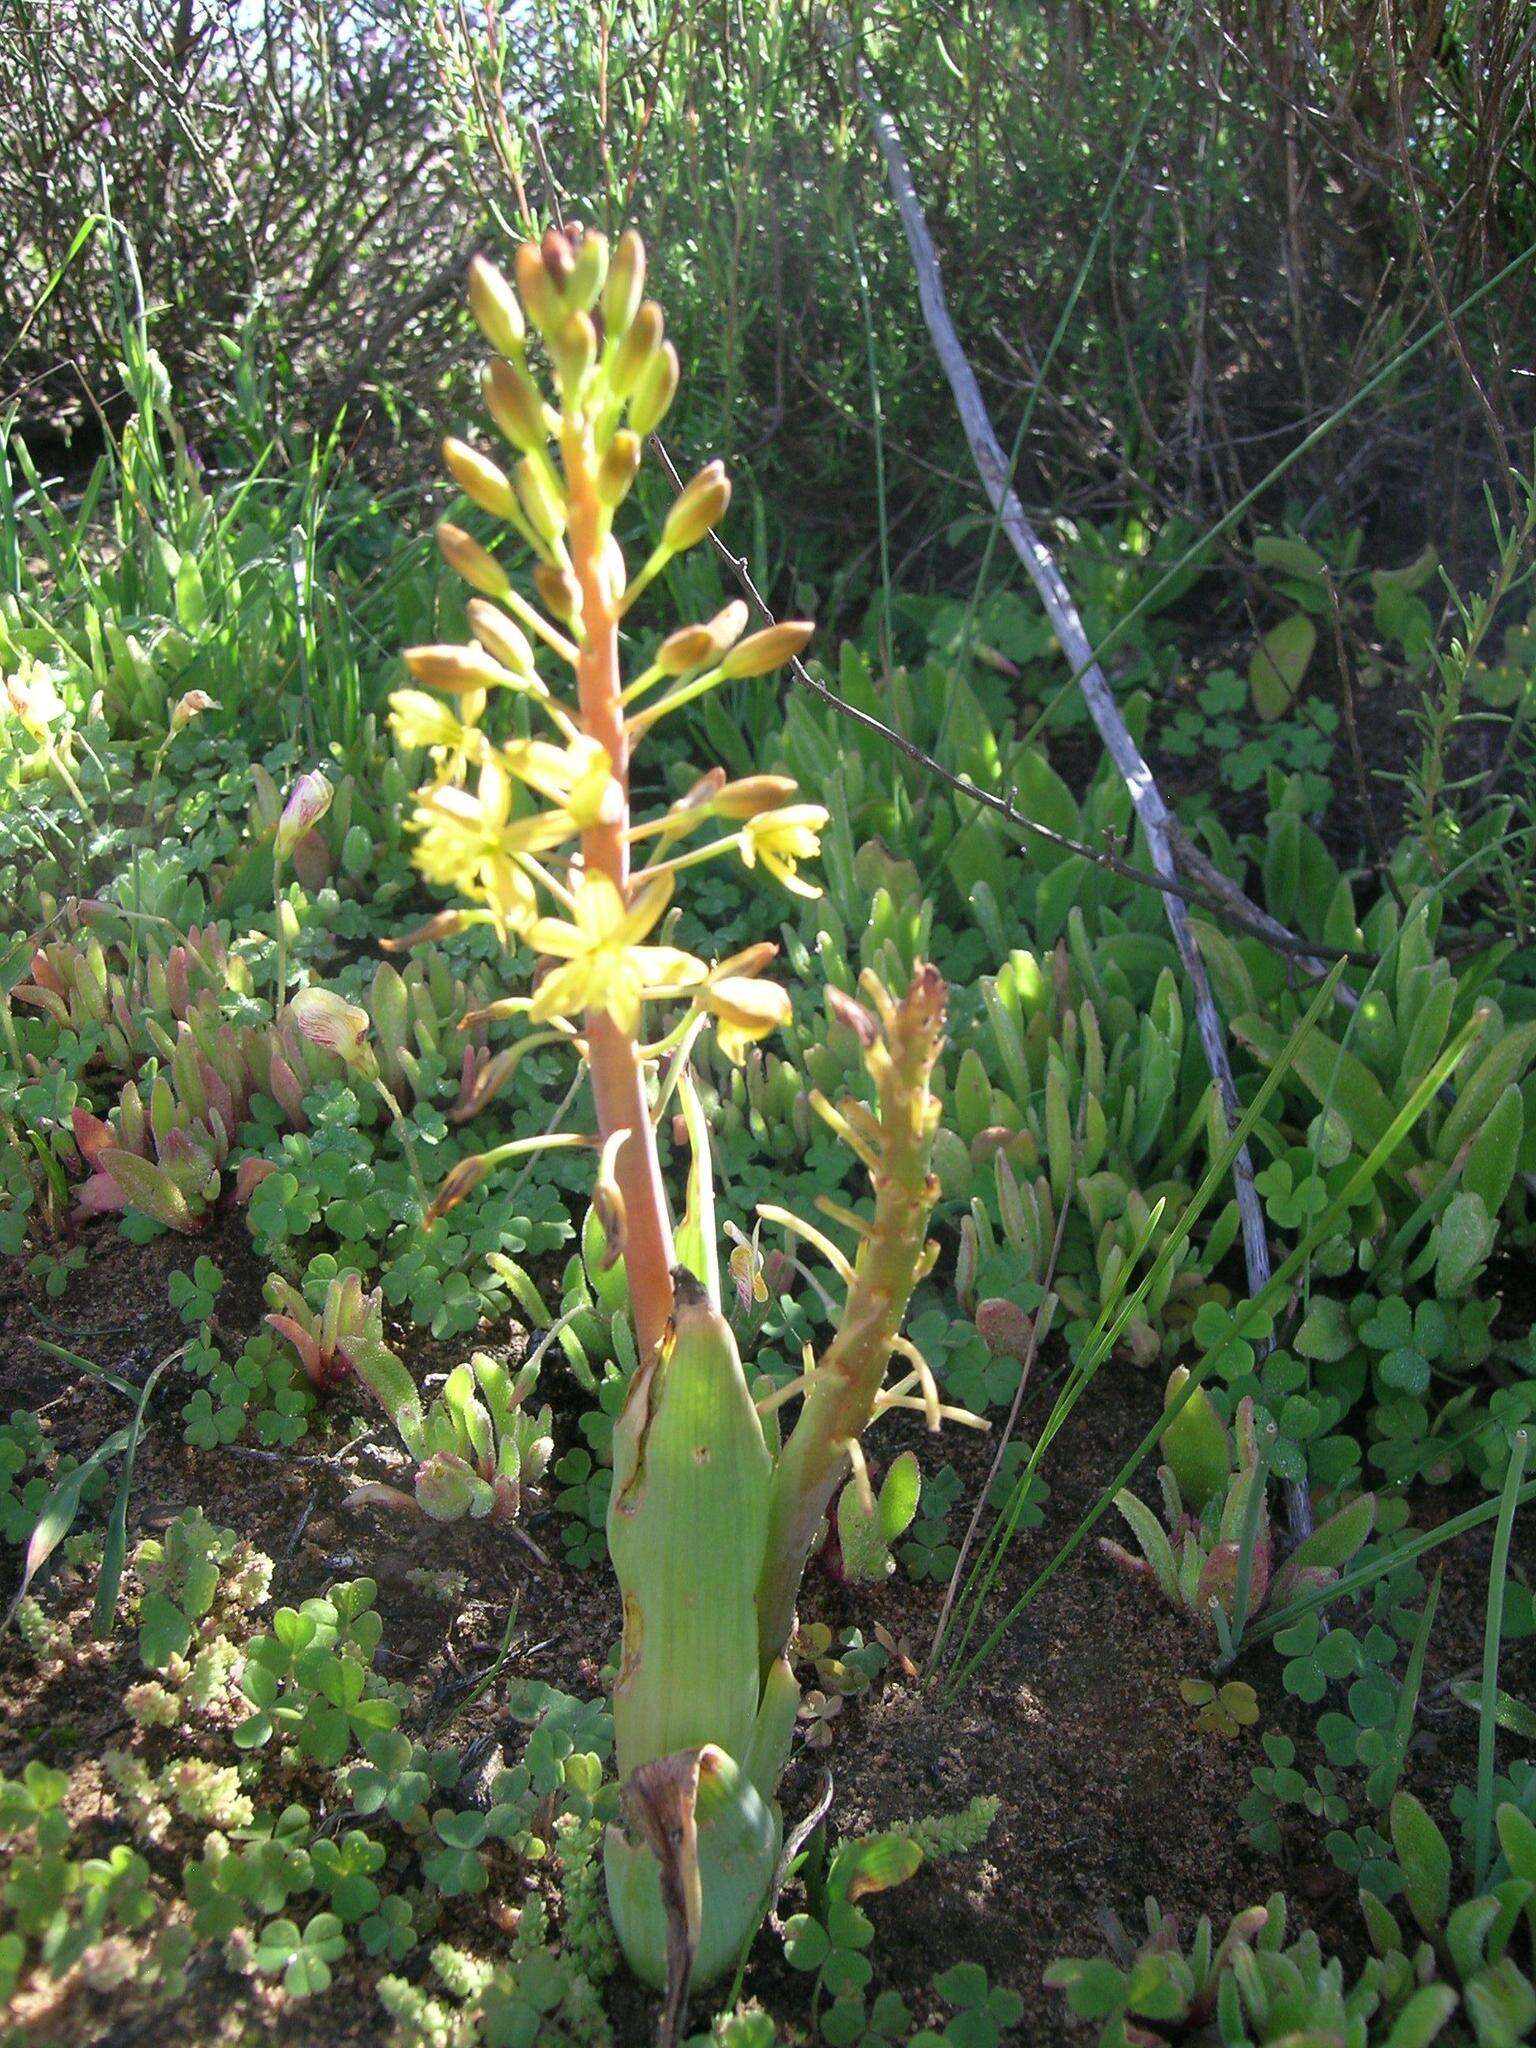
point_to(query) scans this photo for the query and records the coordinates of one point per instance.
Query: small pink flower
(308, 802)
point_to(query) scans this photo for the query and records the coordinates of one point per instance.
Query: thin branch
(1152, 812)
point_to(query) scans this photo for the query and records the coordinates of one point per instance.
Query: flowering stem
(618, 1081)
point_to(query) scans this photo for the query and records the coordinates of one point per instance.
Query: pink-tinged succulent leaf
(286, 1090)
(101, 1196)
(43, 999)
(1135, 1567)
(91, 1134)
(249, 1175)
(178, 986)
(1218, 1581)
(1293, 1579)
(149, 1189)
(311, 1357)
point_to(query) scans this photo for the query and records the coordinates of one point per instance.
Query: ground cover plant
(727, 1331)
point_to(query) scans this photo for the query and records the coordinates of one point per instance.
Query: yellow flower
(782, 839)
(744, 1010)
(472, 842)
(606, 965)
(422, 721)
(579, 777)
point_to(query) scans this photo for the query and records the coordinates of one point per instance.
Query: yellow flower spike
(654, 391)
(514, 402)
(697, 510)
(762, 652)
(465, 556)
(579, 777)
(480, 480)
(494, 305)
(744, 1011)
(781, 839)
(638, 350)
(471, 842)
(625, 285)
(606, 965)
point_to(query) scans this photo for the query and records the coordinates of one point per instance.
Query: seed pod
(494, 305)
(479, 479)
(626, 282)
(655, 389)
(761, 652)
(465, 556)
(638, 349)
(513, 401)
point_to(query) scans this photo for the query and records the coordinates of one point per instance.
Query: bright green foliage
(311, 1680)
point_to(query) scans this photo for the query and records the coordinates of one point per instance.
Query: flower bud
(589, 272)
(745, 1010)
(543, 508)
(559, 592)
(557, 254)
(538, 289)
(573, 351)
(465, 556)
(638, 350)
(770, 649)
(1004, 1327)
(479, 479)
(494, 305)
(858, 1020)
(693, 646)
(190, 706)
(457, 671)
(626, 281)
(501, 637)
(335, 1025)
(750, 794)
(698, 509)
(308, 802)
(619, 467)
(654, 391)
(514, 402)
(459, 1182)
(447, 924)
